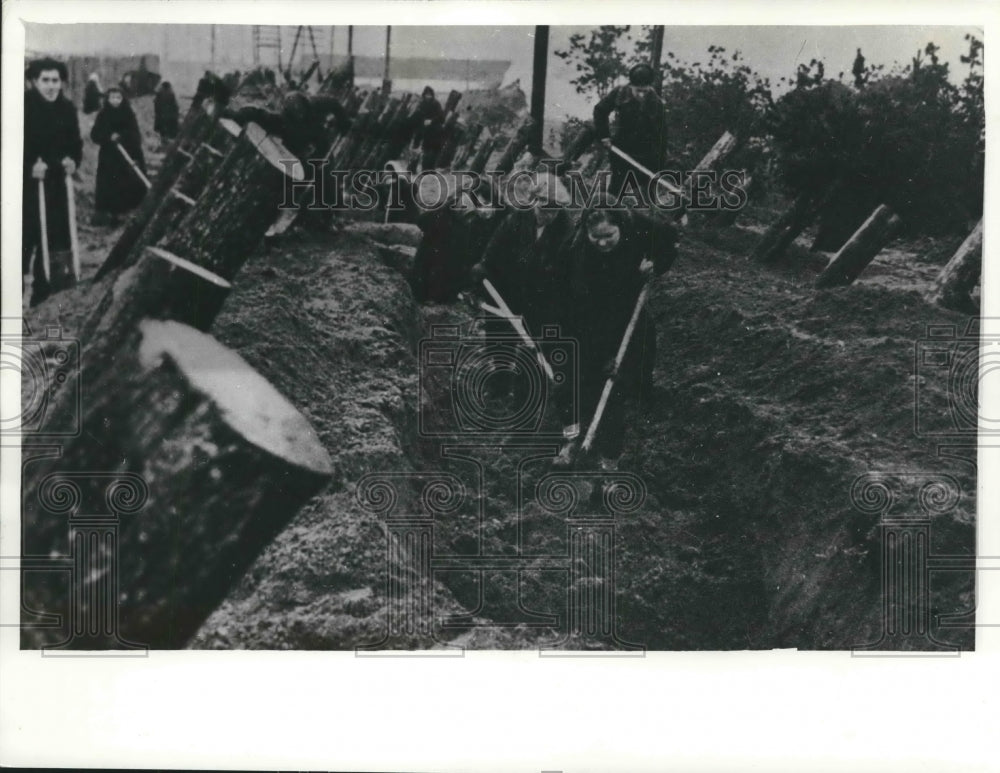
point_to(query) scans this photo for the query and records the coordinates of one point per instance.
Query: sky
(772, 51)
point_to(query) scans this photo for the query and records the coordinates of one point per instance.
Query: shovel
(73, 238)
(135, 167)
(45, 229)
(588, 441)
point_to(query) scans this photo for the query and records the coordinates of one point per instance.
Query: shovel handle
(45, 230)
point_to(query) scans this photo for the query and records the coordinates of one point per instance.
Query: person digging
(615, 256)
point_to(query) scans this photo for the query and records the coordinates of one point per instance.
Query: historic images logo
(952, 367)
(428, 513)
(45, 369)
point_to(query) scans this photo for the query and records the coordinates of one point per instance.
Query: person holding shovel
(614, 256)
(119, 186)
(52, 152)
(641, 128)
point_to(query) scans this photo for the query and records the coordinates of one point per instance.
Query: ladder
(267, 38)
(295, 44)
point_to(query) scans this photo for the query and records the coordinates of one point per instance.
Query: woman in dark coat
(615, 252)
(119, 188)
(92, 95)
(166, 112)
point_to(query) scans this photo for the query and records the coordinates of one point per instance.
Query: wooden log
(472, 135)
(479, 161)
(397, 135)
(450, 132)
(451, 103)
(160, 286)
(583, 140)
(180, 199)
(958, 278)
(375, 135)
(726, 217)
(783, 231)
(867, 242)
(238, 204)
(721, 150)
(227, 461)
(516, 146)
(197, 126)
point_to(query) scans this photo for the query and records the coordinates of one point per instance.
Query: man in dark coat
(166, 112)
(427, 125)
(641, 127)
(211, 87)
(454, 237)
(119, 187)
(303, 124)
(615, 252)
(52, 150)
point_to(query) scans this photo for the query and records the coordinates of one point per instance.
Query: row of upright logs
(224, 461)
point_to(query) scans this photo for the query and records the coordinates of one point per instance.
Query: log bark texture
(238, 204)
(783, 231)
(959, 277)
(227, 462)
(196, 127)
(847, 265)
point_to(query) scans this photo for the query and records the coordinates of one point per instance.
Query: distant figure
(119, 188)
(426, 124)
(92, 94)
(211, 87)
(166, 112)
(125, 85)
(303, 123)
(642, 127)
(52, 150)
(859, 71)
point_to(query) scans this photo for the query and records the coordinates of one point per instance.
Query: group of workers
(552, 264)
(583, 271)
(53, 151)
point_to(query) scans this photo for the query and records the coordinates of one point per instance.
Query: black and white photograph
(604, 342)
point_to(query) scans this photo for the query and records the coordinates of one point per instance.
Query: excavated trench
(770, 400)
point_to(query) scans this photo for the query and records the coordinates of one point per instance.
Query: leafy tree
(907, 139)
(598, 59)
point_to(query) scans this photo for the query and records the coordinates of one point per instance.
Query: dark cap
(641, 75)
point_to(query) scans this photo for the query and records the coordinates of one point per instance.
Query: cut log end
(231, 126)
(272, 149)
(187, 265)
(248, 403)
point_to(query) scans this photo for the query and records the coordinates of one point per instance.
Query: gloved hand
(39, 169)
(609, 368)
(646, 267)
(69, 165)
(115, 136)
(606, 142)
